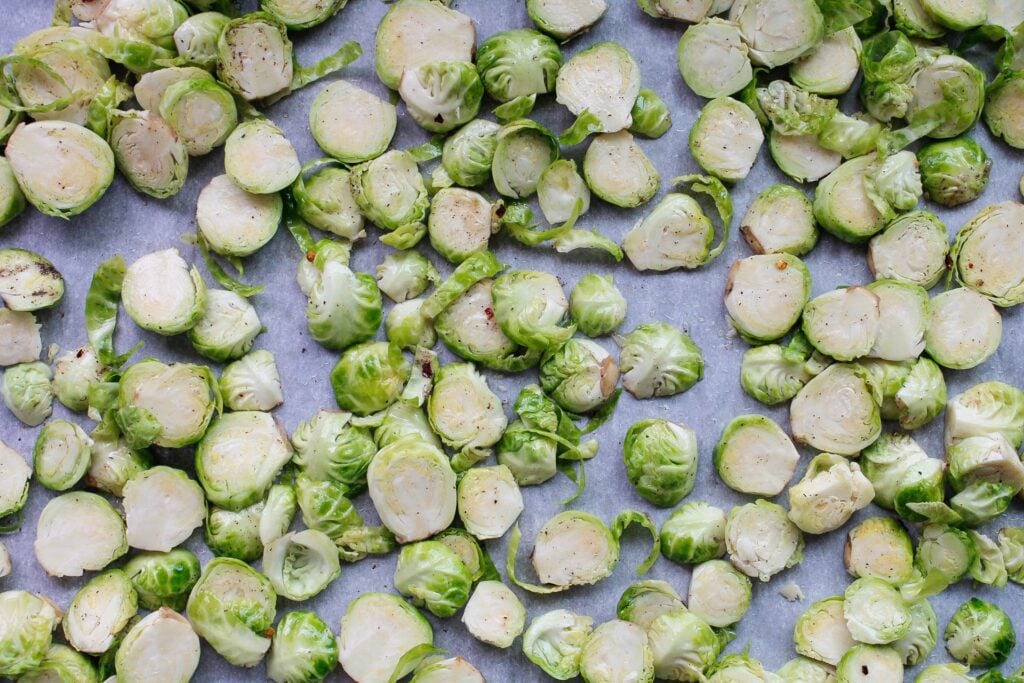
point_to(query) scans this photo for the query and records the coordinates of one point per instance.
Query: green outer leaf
(577, 474)
(134, 55)
(713, 188)
(627, 517)
(480, 265)
(585, 124)
(346, 54)
(113, 93)
(101, 311)
(587, 239)
(841, 14)
(220, 275)
(510, 567)
(519, 221)
(518, 108)
(298, 228)
(604, 413)
(412, 658)
(429, 150)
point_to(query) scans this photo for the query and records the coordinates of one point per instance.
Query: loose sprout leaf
(519, 221)
(298, 228)
(481, 265)
(604, 413)
(576, 472)
(61, 13)
(517, 108)
(510, 567)
(221, 276)
(411, 660)
(346, 54)
(429, 150)
(587, 239)
(713, 188)
(101, 311)
(103, 104)
(135, 55)
(841, 14)
(585, 124)
(627, 517)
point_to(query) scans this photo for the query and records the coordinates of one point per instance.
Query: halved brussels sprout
(802, 157)
(562, 192)
(196, 38)
(986, 409)
(684, 646)
(369, 377)
(77, 532)
(778, 31)
(351, 124)
(303, 649)
(235, 534)
(468, 152)
(945, 673)
(693, 534)
(228, 327)
(773, 374)
(233, 607)
(864, 663)
(151, 525)
(565, 19)
(718, 593)
(661, 460)
(451, 670)
(471, 552)
(948, 96)
(377, 633)
(596, 305)
(330, 448)
(162, 294)
(518, 63)
(989, 567)
(531, 456)
(603, 80)
(904, 315)
(324, 199)
(252, 383)
(61, 455)
(14, 482)
(982, 253)
(62, 168)
(302, 14)
(912, 249)
(160, 646)
(465, 413)
(417, 511)
(259, 158)
(959, 16)
(579, 375)
(955, 171)
(100, 611)
(554, 641)
(965, 329)
(441, 96)
(657, 359)
(832, 67)
(201, 111)
(494, 615)
(676, 233)
(617, 170)
(460, 223)
(278, 512)
(944, 554)
(150, 87)
(617, 651)
(301, 564)
(432, 575)
(880, 547)
(990, 459)
(152, 22)
(489, 501)
(27, 393)
(765, 295)
(114, 461)
(74, 375)
(405, 275)
(980, 634)
(28, 282)
(62, 663)
(837, 411)
(406, 326)
(761, 540)
(343, 307)
(726, 139)
(530, 306)
(418, 32)
(780, 220)
(236, 222)
(12, 199)
(713, 59)
(645, 601)
(572, 549)
(239, 457)
(755, 456)
(651, 115)
(149, 153)
(163, 579)
(920, 640)
(167, 405)
(391, 193)
(843, 203)
(29, 621)
(831, 490)
(523, 149)
(821, 633)
(1004, 99)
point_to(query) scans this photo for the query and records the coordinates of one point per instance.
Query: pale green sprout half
(980, 634)
(684, 646)
(945, 673)
(196, 38)
(958, 16)
(837, 411)
(596, 305)
(565, 19)
(114, 462)
(451, 670)
(153, 21)
(523, 149)
(761, 540)
(303, 649)
(369, 377)
(29, 621)
(1001, 107)
(713, 58)
(965, 329)
(12, 199)
(802, 157)
(562, 192)
(895, 184)
(990, 459)
(833, 66)
(880, 547)
(755, 456)
(920, 640)
(955, 171)
(518, 63)
(61, 455)
(657, 359)
(252, 383)
(151, 524)
(645, 601)
(494, 615)
(944, 554)
(718, 593)
(406, 325)
(780, 220)
(163, 579)
(161, 645)
(78, 532)
(330, 448)
(982, 254)
(618, 171)
(162, 294)
(167, 405)
(259, 158)
(27, 393)
(850, 136)
(377, 632)
(433, 576)
(821, 632)
(301, 564)
(843, 205)
(460, 223)
(694, 533)
(236, 222)
(228, 327)
(324, 199)
(690, 11)
(651, 115)
(201, 111)
(773, 374)
(911, 249)
(904, 314)
(28, 282)
(100, 611)
(233, 607)
(737, 666)
(765, 295)
(778, 31)
(948, 96)
(554, 641)
(391, 193)
(844, 323)
(62, 168)
(351, 124)
(150, 87)
(441, 96)
(302, 14)
(405, 275)
(579, 375)
(884, 663)
(149, 153)
(489, 501)
(471, 552)
(530, 307)
(418, 32)
(415, 512)
(239, 457)
(62, 663)
(468, 152)
(343, 307)
(986, 409)
(603, 80)
(235, 534)
(661, 460)
(617, 651)
(831, 491)
(465, 413)
(726, 139)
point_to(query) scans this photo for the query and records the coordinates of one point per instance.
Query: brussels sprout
(494, 615)
(518, 63)
(879, 547)
(843, 204)
(761, 540)
(821, 632)
(945, 673)
(948, 96)
(27, 393)
(990, 459)
(903, 316)
(163, 579)
(76, 532)
(228, 327)
(114, 461)
(713, 58)
(471, 552)
(201, 111)
(390, 192)
(920, 640)
(162, 294)
(580, 375)
(149, 153)
(451, 670)
(895, 184)
(28, 282)
(151, 526)
(12, 199)
(965, 329)
(986, 409)
(954, 172)
(869, 663)
(562, 193)
(832, 67)
(617, 170)
(278, 512)
(235, 534)
(1004, 98)
(29, 621)
(980, 634)
(603, 80)
(151, 86)
(773, 374)
(530, 306)
(344, 307)
(460, 223)
(233, 221)
(489, 501)
(565, 19)
(330, 448)
(239, 457)
(755, 456)
(523, 149)
(780, 220)
(554, 641)
(684, 646)
(61, 455)
(802, 670)
(531, 456)
(661, 460)
(405, 275)
(418, 32)
(324, 199)
(351, 124)
(406, 325)
(675, 234)
(793, 111)
(802, 157)
(979, 254)
(468, 152)
(153, 21)
(432, 575)
(303, 649)
(100, 612)
(78, 168)
(875, 613)
(259, 158)
(650, 114)
(778, 31)
(596, 305)
(694, 533)
(441, 96)
(252, 383)
(718, 593)
(765, 295)
(233, 607)
(912, 249)
(851, 136)
(412, 513)
(657, 359)
(301, 564)
(617, 651)
(465, 413)
(726, 139)
(837, 411)
(160, 646)
(298, 15)
(645, 601)
(368, 377)
(559, 557)
(196, 38)
(63, 664)
(326, 507)
(737, 666)
(378, 631)
(989, 567)
(404, 418)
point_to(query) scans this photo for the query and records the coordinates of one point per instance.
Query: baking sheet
(132, 225)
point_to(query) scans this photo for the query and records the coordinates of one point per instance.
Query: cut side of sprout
(766, 294)
(441, 96)
(163, 506)
(802, 157)
(912, 249)
(821, 632)
(618, 171)
(259, 158)
(755, 456)
(726, 139)
(842, 204)
(228, 328)
(494, 615)
(418, 32)
(376, 631)
(78, 532)
(162, 294)
(881, 548)
(460, 223)
(412, 486)
(617, 651)
(778, 31)
(14, 480)
(843, 323)
(713, 59)
(833, 66)
(565, 19)
(761, 540)
(574, 548)
(523, 149)
(719, 594)
(559, 190)
(252, 383)
(149, 154)
(676, 233)
(868, 663)
(986, 253)
(19, 337)
(61, 455)
(239, 457)
(604, 80)
(99, 612)
(161, 646)
(904, 315)
(965, 329)
(351, 124)
(489, 501)
(28, 282)
(836, 411)
(832, 489)
(201, 111)
(236, 222)
(780, 220)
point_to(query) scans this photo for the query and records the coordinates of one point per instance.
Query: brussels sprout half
(761, 540)
(713, 59)
(302, 14)
(77, 532)
(162, 294)
(149, 153)
(433, 576)
(301, 564)
(494, 615)
(821, 632)
(802, 157)
(259, 158)
(657, 359)
(489, 501)
(694, 533)
(726, 139)
(61, 455)
(596, 305)
(351, 124)
(832, 67)
(460, 223)
(162, 645)
(163, 579)
(196, 38)
(911, 249)
(324, 199)
(965, 329)
(837, 411)
(645, 601)
(870, 662)
(684, 646)
(29, 623)
(832, 489)
(150, 524)
(167, 405)
(661, 460)
(391, 193)
(1004, 99)
(778, 31)
(880, 547)
(252, 383)
(565, 19)
(28, 281)
(980, 634)
(441, 96)
(201, 111)
(239, 457)
(554, 641)
(412, 513)
(616, 651)
(766, 294)
(755, 456)
(100, 612)
(718, 593)
(14, 483)
(303, 648)
(780, 220)
(377, 631)
(418, 32)
(955, 171)
(617, 170)
(981, 254)
(603, 80)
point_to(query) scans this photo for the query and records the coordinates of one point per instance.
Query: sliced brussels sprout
(153, 21)
(28, 282)
(765, 295)
(378, 631)
(778, 31)
(369, 377)
(713, 58)
(523, 149)
(76, 532)
(471, 552)
(980, 254)
(278, 512)
(603, 80)
(239, 457)
(719, 594)
(821, 632)
(645, 601)
(726, 139)
(572, 549)
(965, 329)
(325, 506)
(465, 413)
(802, 157)
(150, 87)
(1004, 99)
(149, 153)
(832, 67)
(235, 534)
(406, 274)
(343, 307)
(780, 220)
(596, 305)
(694, 533)
(61, 455)
(351, 124)
(684, 646)
(151, 525)
(27, 392)
(617, 170)
(163, 579)
(562, 192)
(62, 663)
(837, 411)
(62, 168)
(29, 621)
(196, 38)
(489, 501)
(954, 172)
(657, 359)
(160, 646)
(167, 405)
(330, 448)
(324, 199)
(259, 158)
(755, 456)
(555, 640)
(201, 111)
(100, 611)
(761, 540)
(14, 482)
(303, 648)
(494, 615)
(904, 315)
(920, 640)
(565, 19)
(843, 204)
(912, 18)
(441, 96)
(412, 512)
(228, 327)
(531, 456)
(391, 193)
(301, 564)
(468, 152)
(530, 306)
(948, 95)
(773, 374)
(460, 223)
(233, 607)
(617, 651)
(302, 14)
(12, 199)
(864, 663)
(650, 114)
(880, 548)
(912, 249)
(579, 375)
(986, 409)
(661, 460)
(945, 554)
(236, 222)
(690, 11)
(980, 634)
(418, 32)
(945, 673)
(518, 63)
(851, 136)
(676, 233)
(406, 325)
(832, 489)
(737, 666)
(252, 383)
(990, 459)
(162, 294)
(433, 576)
(114, 461)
